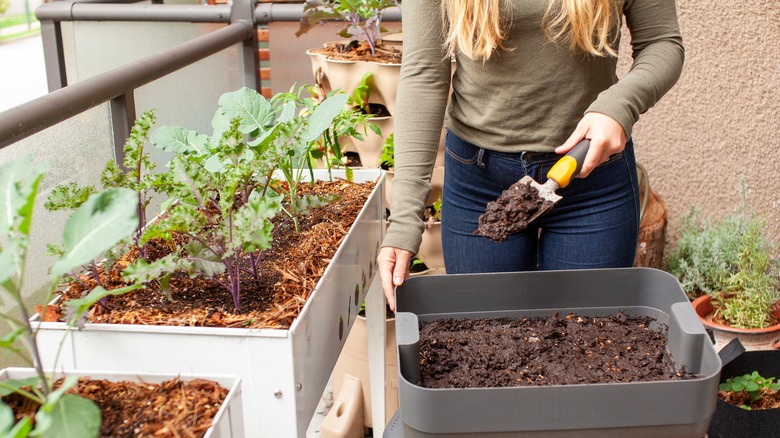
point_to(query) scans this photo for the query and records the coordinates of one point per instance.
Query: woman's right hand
(393, 270)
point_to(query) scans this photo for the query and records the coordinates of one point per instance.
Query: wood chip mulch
(360, 51)
(173, 408)
(287, 275)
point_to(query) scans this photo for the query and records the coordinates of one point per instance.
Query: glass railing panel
(74, 150)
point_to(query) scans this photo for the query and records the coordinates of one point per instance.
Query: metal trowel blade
(546, 192)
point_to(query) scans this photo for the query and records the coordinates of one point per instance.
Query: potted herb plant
(729, 270)
(38, 402)
(253, 267)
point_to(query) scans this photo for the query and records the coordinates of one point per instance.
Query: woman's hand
(393, 270)
(606, 136)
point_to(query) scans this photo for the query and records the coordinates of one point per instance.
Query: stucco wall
(721, 123)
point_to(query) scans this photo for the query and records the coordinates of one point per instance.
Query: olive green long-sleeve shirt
(530, 97)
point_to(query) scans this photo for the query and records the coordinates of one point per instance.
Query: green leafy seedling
(752, 384)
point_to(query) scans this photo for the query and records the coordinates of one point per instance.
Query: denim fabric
(595, 225)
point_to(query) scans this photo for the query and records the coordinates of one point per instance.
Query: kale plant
(363, 17)
(226, 188)
(101, 221)
(135, 174)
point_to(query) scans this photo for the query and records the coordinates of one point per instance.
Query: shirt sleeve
(658, 55)
(421, 101)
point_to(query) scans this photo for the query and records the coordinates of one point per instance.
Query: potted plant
(242, 201)
(729, 270)
(38, 402)
(370, 142)
(344, 64)
(749, 395)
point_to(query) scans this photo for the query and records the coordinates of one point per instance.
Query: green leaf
(9, 257)
(7, 427)
(202, 260)
(141, 271)
(179, 140)
(287, 113)
(254, 110)
(68, 197)
(69, 417)
(252, 224)
(323, 116)
(8, 386)
(81, 305)
(96, 226)
(751, 386)
(19, 180)
(8, 341)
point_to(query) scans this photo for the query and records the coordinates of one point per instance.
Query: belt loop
(481, 158)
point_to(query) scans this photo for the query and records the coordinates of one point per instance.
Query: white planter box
(283, 372)
(228, 423)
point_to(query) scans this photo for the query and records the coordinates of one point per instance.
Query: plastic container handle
(570, 164)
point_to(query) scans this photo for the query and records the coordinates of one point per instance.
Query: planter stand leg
(345, 418)
(375, 331)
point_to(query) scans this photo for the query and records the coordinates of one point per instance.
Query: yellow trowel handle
(570, 164)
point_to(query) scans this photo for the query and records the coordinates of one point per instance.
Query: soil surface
(512, 212)
(173, 408)
(287, 274)
(507, 352)
(768, 399)
(360, 51)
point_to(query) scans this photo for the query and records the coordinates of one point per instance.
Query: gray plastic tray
(643, 409)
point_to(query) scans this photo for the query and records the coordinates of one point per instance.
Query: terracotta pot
(346, 75)
(370, 149)
(753, 339)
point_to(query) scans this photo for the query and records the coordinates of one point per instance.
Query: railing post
(244, 10)
(53, 54)
(122, 113)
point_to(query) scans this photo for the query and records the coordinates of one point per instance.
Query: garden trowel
(520, 204)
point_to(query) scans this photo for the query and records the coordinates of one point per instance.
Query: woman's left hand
(606, 136)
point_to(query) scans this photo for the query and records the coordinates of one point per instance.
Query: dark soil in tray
(504, 352)
(512, 212)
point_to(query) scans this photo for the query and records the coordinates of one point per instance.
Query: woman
(533, 78)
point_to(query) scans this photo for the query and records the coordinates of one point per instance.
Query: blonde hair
(477, 28)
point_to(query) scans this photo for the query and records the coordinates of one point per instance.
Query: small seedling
(752, 384)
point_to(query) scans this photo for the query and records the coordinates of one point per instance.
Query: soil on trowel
(574, 349)
(511, 212)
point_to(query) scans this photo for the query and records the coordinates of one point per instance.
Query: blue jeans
(595, 225)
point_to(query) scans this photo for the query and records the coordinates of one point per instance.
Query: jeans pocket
(612, 158)
(460, 150)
